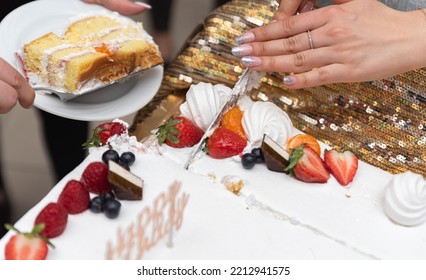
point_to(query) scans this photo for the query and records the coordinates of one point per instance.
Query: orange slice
(300, 139)
(232, 121)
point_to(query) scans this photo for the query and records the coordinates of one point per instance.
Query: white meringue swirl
(203, 102)
(405, 199)
(266, 118)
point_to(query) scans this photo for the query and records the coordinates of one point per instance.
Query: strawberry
(74, 197)
(179, 132)
(343, 165)
(307, 165)
(95, 178)
(103, 132)
(28, 245)
(224, 143)
(54, 217)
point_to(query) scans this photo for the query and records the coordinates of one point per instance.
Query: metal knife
(247, 81)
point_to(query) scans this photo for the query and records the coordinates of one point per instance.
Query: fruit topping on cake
(103, 132)
(224, 143)
(179, 132)
(231, 120)
(125, 185)
(307, 166)
(275, 156)
(74, 197)
(343, 165)
(106, 203)
(250, 159)
(95, 178)
(303, 139)
(27, 245)
(55, 219)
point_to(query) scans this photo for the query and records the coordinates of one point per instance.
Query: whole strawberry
(103, 132)
(179, 132)
(95, 178)
(343, 165)
(55, 219)
(224, 143)
(27, 245)
(74, 197)
(307, 165)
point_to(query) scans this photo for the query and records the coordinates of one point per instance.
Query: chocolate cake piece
(276, 157)
(126, 185)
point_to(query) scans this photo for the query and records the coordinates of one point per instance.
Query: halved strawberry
(224, 143)
(179, 132)
(103, 132)
(28, 245)
(307, 165)
(343, 165)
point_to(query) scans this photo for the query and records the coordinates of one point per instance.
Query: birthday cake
(242, 200)
(95, 49)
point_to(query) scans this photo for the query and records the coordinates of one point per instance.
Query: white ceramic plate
(37, 18)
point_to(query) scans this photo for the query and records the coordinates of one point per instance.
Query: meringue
(203, 102)
(266, 118)
(405, 199)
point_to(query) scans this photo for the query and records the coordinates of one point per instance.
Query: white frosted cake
(217, 209)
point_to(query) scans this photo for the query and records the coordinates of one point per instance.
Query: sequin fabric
(383, 122)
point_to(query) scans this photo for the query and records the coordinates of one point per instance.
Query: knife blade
(248, 80)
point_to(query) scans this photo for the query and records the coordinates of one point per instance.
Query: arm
(125, 7)
(13, 88)
(356, 41)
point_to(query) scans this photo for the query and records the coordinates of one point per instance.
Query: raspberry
(95, 178)
(74, 197)
(54, 217)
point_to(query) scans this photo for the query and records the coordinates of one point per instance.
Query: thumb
(125, 7)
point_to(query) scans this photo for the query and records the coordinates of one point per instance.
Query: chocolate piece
(126, 185)
(276, 157)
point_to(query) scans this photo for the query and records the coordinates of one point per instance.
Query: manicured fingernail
(143, 4)
(309, 6)
(251, 61)
(242, 50)
(289, 80)
(245, 38)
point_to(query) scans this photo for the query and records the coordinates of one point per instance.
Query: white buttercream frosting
(405, 199)
(203, 102)
(266, 118)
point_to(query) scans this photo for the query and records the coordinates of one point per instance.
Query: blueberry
(125, 166)
(112, 208)
(96, 204)
(248, 160)
(257, 152)
(110, 155)
(108, 195)
(127, 158)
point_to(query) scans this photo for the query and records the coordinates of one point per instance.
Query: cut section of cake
(95, 49)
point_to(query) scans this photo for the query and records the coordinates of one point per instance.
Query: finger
(285, 28)
(8, 97)
(293, 63)
(14, 79)
(333, 73)
(290, 45)
(291, 8)
(124, 7)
